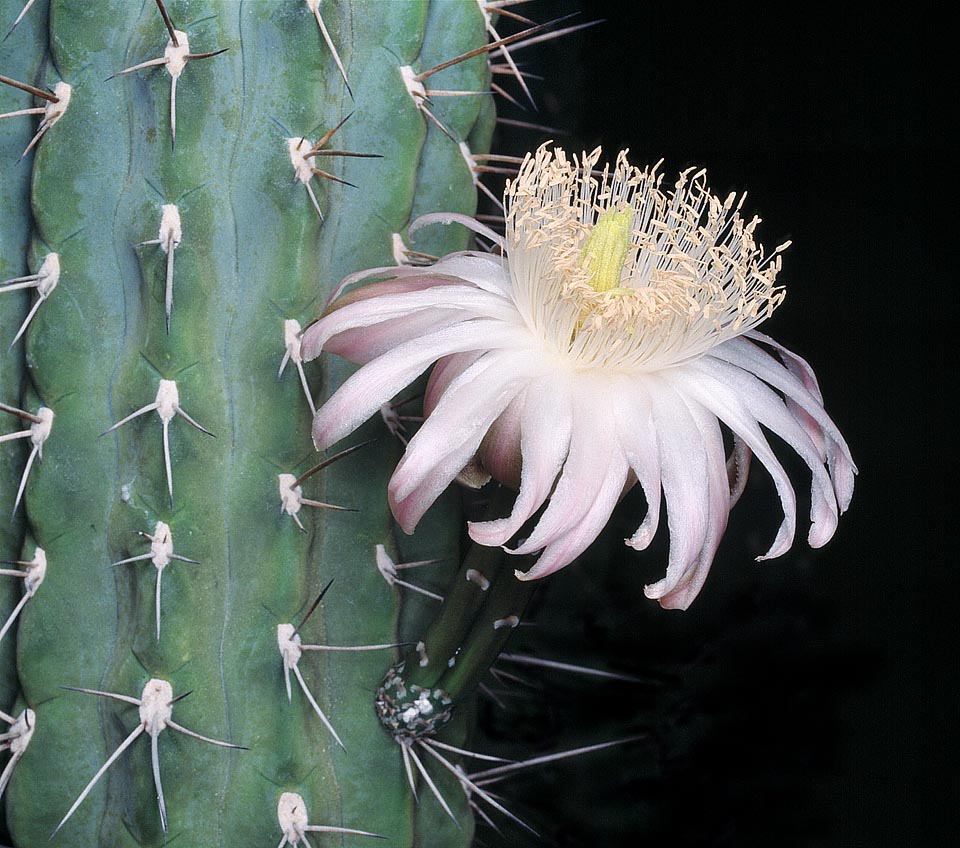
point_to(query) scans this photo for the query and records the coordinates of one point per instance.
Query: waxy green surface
(253, 253)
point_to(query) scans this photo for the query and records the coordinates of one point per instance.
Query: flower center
(605, 249)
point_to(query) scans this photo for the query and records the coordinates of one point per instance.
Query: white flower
(604, 348)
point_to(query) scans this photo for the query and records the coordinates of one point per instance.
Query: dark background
(788, 706)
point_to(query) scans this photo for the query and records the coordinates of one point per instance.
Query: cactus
(186, 190)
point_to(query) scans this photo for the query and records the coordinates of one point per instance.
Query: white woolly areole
(415, 88)
(386, 566)
(288, 641)
(692, 278)
(168, 400)
(40, 430)
(302, 166)
(21, 732)
(155, 705)
(176, 55)
(291, 339)
(292, 814)
(171, 232)
(291, 497)
(36, 572)
(161, 546)
(48, 275)
(53, 112)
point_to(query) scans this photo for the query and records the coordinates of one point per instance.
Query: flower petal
(726, 404)
(546, 422)
(684, 466)
(680, 592)
(638, 436)
(375, 383)
(593, 443)
(452, 432)
(367, 311)
(769, 409)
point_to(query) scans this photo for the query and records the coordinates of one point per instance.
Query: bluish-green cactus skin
(253, 254)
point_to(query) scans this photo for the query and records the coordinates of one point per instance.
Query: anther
(171, 234)
(291, 343)
(161, 554)
(32, 572)
(156, 710)
(44, 281)
(167, 406)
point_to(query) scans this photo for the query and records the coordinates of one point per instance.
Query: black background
(786, 707)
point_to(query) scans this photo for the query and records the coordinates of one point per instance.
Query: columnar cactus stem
(246, 252)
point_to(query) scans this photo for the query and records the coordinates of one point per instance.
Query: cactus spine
(179, 265)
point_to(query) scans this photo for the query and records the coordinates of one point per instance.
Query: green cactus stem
(169, 181)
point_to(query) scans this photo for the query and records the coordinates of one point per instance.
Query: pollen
(611, 269)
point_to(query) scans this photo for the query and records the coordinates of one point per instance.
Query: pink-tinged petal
(362, 344)
(366, 312)
(452, 433)
(546, 421)
(485, 270)
(726, 404)
(738, 468)
(769, 409)
(682, 593)
(795, 379)
(563, 550)
(684, 468)
(593, 443)
(444, 373)
(364, 392)
(637, 434)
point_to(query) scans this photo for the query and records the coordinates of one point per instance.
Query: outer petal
(592, 447)
(685, 470)
(682, 593)
(727, 405)
(766, 406)
(375, 383)
(452, 433)
(798, 383)
(374, 309)
(638, 436)
(564, 549)
(546, 421)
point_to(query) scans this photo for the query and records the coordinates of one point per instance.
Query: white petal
(767, 407)
(684, 468)
(727, 405)
(593, 443)
(638, 436)
(795, 378)
(452, 433)
(545, 424)
(681, 593)
(375, 383)
(373, 309)
(564, 549)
